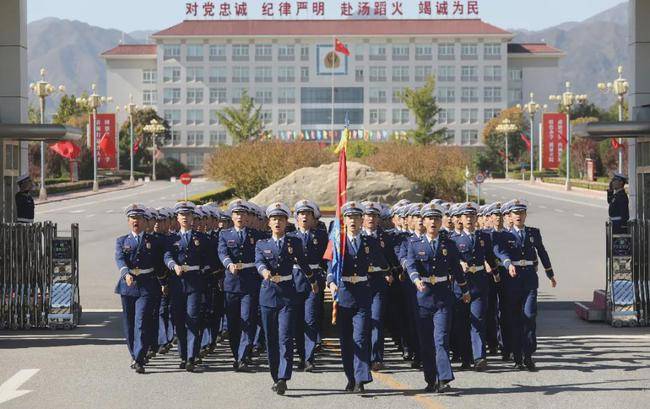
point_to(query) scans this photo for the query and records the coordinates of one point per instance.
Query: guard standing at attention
(24, 201)
(619, 210)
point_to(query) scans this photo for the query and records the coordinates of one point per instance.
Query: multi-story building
(196, 68)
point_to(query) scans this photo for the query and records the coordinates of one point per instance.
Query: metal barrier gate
(39, 277)
(628, 275)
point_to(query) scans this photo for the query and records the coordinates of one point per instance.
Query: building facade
(196, 68)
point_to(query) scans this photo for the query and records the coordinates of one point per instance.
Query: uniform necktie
(241, 236)
(279, 244)
(137, 240)
(434, 244)
(471, 239)
(355, 245)
(521, 236)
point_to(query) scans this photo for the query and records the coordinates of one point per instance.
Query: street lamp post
(43, 89)
(154, 128)
(93, 102)
(130, 108)
(567, 100)
(540, 149)
(531, 107)
(620, 88)
(506, 127)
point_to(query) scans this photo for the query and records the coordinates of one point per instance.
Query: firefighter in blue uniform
(519, 253)
(432, 261)
(362, 253)
(619, 210)
(24, 200)
(313, 244)
(186, 256)
(276, 259)
(477, 260)
(380, 278)
(163, 314)
(241, 283)
(138, 256)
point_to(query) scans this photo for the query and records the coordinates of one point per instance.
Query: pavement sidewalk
(87, 192)
(539, 185)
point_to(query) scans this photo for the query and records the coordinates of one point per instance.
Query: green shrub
(360, 149)
(578, 183)
(170, 167)
(81, 185)
(218, 196)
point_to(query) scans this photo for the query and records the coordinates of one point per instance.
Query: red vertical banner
(555, 131)
(106, 139)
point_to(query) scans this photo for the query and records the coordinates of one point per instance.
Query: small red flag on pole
(339, 47)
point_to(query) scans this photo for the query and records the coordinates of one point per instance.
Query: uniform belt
(376, 269)
(241, 266)
(475, 269)
(186, 268)
(279, 279)
(138, 271)
(616, 218)
(354, 279)
(523, 263)
(315, 266)
(24, 220)
(436, 279)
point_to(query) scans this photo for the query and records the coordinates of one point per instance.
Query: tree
(422, 102)
(245, 122)
(142, 140)
(68, 108)
(493, 156)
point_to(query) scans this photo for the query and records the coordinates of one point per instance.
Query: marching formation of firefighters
(446, 282)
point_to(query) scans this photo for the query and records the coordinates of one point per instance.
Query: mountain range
(70, 51)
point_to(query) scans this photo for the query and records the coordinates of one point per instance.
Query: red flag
(615, 143)
(66, 149)
(136, 145)
(526, 141)
(340, 47)
(502, 154)
(107, 145)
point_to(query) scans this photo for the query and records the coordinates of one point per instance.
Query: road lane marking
(9, 390)
(102, 310)
(578, 215)
(77, 211)
(559, 210)
(543, 207)
(393, 383)
(548, 196)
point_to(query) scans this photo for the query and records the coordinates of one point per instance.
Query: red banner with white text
(107, 143)
(555, 129)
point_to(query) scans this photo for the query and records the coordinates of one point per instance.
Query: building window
(304, 53)
(286, 96)
(377, 74)
(171, 52)
(492, 51)
(400, 116)
(195, 160)
(195, 138)
(286, 116)
(304, 74)
(218, 96)
(450, 136)
(359, 52)
(492, 73)
(469, 51)
(194, 117)
(490, 113)
(194, 52)
(149, 76)
(263, 74)
(237, 94)
(396, 97)
(176, 137)
(378, 116)
(422, 72)
(400, 52)
(492, 94)
(358, 74)
(469, 73)
(172, 116)
(171, 74)
(240, 74)
(266, 115)
(218, 74)
(376, 95)
(515, 96)
(323, 116)
(446, 51)
(213, 118)
(194, 74)
(447, 116)
(469, 137)
(446, 73)
(218, 52)
(171, 95)
(423, 52)
(401, 73)
(446, 95)
(263, 52)
(348, 95)
(240, 52)
(286, 74)
(195, 95)
(264, 96)
(149, 97)
(217, 138)
(469, 94)
(469, 116)
(286, 52)
(516, 74)
(377, 52)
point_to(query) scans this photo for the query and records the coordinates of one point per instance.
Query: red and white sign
(555, 127)
(186, 178)
(106, 137)
(479, 178)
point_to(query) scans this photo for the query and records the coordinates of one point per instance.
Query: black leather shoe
(151, 354)
(530, 364)
(416, 364)
(138, 368)
(407, 356)
(243, 367)
(309, 367)
(274, 388)
(506, 357)
(465, 366)
(480, 365)
(443, 386)
(358, 388)
(198, 360)
(519, 365)
(281, 386)
(182, 365)
(235, 364)
(132, 366)
(301, 365)
(349, 387)
(190, 367)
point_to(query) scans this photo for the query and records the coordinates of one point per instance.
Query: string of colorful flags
(326, 135)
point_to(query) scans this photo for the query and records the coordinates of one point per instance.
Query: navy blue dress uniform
(619, 206)
(138, 256)
(362, 253)
(475, 250)
(522, 248)
(214, 272)
(24, 201)
(188, 250)
(165, 323)
(279, 297)
(237, 248)
(309, 312)
(379, 288)
(435, 261)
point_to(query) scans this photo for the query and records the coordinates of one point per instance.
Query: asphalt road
(582, 365)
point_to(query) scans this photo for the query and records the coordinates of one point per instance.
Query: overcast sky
(130, 15)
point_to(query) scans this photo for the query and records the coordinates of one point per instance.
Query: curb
(83, 194)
